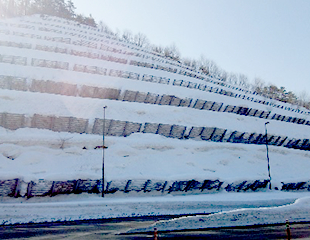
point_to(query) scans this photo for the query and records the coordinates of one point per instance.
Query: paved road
(92, 229)
(110, 229)
(298, 231)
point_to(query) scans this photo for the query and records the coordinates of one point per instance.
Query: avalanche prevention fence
(67, 89)
(112, 46)
(40, 188)
(124, 128)
(119, 128)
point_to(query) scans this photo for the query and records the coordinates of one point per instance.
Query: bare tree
(258, 85)
(2, 9)
(192, 63)
(223, 75)
(195, 64)
(141, 40)
(201, 65)
(173, 52)
(303, 99)
(127, 36)
(118, 34)
(208, 67)
(63, 141)
(213, 68)
(158, 49)
(187, 61)
(233, 78)
(243, 81)
(104, 28)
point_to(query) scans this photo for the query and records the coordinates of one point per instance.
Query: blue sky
(259, 38)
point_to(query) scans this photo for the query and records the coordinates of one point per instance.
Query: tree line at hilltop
(66, 9)
(58, 8)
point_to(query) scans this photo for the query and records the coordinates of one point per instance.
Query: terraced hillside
(57, 75)
(65, 62)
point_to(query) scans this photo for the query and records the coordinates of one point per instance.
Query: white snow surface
(295, 212)
(37, 153)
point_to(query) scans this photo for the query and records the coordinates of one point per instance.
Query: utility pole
(268, 155)
(103, 147)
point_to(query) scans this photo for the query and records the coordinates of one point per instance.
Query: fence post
(288, 230)
(52, 189)
(29, 188)
(17, 188)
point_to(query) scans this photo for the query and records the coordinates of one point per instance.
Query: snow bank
(296, 212)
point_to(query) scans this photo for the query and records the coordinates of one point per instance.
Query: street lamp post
(103, 147)
(268, 155)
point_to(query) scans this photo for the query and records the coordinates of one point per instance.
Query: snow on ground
(84, 206)
(37, 154)
(226, 209)
(296, 212)
(90, 108)
(32, 154)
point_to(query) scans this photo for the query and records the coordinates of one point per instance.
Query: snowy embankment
(88, 108)
(31, 154)
(37, 155)
(296, 212)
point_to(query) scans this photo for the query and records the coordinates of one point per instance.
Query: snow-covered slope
(56, 76)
